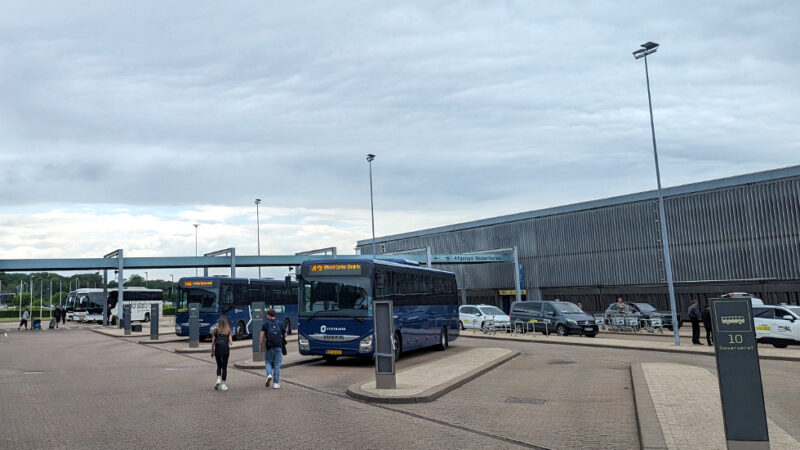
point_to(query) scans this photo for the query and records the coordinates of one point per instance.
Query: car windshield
(207, 298)
(345, 297)
(491, 311)
(645, 307)
(568, 308)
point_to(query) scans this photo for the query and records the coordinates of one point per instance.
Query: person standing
(221, 342)
(707, 324)
(63, 315)
(621, 307)
(24, 320)
(694, 317)
(57, 315)
(269, 342)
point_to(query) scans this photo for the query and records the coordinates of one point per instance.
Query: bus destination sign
(335, 269)
(198, 283)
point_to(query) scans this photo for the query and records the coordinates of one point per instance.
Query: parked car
(547, 316)
(645, 311)
(778, 325)
(476, 316)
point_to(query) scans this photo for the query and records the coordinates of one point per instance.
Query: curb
(208, 349)
(249, 365)
(433, 393)
(620, 347)
(651, 436)
(163, 341)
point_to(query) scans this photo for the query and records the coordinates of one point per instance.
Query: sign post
(739, 374)
(384, 344)
(153, 322)
(194, 325)
(126, 317)
(257, 313)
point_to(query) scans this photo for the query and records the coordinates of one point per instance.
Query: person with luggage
(221, 342)
(270, 341)
(24, 320)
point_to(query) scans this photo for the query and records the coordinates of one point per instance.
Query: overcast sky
(122, 123)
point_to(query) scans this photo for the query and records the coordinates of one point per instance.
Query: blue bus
(335, 306)
(232, 297)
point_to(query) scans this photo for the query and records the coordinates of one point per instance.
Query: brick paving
(687, 402)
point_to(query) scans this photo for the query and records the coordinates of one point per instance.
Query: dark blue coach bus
(232, 297)
(335, 306)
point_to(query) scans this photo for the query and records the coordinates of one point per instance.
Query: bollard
(153, 322)
(126, 314)
(383, 338)
(194, 325)
(257, 314)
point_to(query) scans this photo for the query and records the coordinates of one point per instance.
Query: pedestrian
(269, 342)
(221, 342)
(57, 315)
(694, 316)
(63, 315)
(24, 320)
(580, 306)
(621, 307)
(707, 324)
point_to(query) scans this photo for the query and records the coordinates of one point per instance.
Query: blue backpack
(274, 335)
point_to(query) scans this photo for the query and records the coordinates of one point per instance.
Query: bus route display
(335, 269)
(739, 373)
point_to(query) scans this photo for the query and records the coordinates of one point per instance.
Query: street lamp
(145, 280)
(195, 244)
(649, 48)
(258, 233)
(371, 157)
(171, 282)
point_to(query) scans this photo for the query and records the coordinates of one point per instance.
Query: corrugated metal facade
(739, 229)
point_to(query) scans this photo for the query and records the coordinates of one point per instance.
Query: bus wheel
(443, 343)
(147, 317)
(398, 345)
(241, 331)
(287, 325)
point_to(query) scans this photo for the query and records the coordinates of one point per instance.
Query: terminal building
(737, 234)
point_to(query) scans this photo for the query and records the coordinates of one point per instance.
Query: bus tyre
(241, 331)
(460, 325)
(287, 325)
(398, 346)
(147, 317)
(443, 342)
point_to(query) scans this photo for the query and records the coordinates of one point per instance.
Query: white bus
(82, 302)
(139, 298)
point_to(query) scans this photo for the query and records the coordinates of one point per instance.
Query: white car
(476, 316)
(778, 325)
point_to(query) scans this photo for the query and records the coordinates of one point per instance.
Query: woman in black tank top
(221, 342)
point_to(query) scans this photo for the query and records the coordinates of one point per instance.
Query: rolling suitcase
(52, 324)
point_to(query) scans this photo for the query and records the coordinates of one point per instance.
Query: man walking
(694, 316)
(57, 315)
(269, 342)
(24, 320)
(707, 324)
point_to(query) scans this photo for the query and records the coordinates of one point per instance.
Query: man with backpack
(270, 342)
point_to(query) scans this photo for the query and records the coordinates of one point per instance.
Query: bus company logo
(325, 328)
(732, 320)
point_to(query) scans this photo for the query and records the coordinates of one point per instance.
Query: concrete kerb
(161, 340)
(250, 364)
(651, 436)
(434, 392)
(641, 345)
(245, 343)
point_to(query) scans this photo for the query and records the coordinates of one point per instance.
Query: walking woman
(221, 342)
(24, 320)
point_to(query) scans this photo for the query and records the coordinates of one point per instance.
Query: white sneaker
(276, 386)
(224, 387)
(269, 381)
(216, 386)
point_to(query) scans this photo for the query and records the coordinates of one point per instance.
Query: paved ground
(553, 396)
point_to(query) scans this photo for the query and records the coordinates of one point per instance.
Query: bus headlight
(303, 343)
(365, 345)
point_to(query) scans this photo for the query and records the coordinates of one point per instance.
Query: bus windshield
(339, 297)
(207, 298)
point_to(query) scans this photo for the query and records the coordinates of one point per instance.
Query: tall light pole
(371, 157)
(195, 244)
(258, 233)
(649, 48)
(171, 282)
(145, 280)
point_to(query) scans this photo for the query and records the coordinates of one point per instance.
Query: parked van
(548, 316)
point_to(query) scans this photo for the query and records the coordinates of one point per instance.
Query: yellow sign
(512, 292)
(341, 268)
(763, 328)
(198, 283)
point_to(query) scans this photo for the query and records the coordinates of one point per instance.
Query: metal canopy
(189, 262)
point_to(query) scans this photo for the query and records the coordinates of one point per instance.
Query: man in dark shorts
(24, 320)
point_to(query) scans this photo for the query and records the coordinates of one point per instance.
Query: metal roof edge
(691, 188)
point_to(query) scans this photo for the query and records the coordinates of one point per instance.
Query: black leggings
(222, 365)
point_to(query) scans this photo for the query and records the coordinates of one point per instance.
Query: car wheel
(443, 342)
(460, 325)
(561, 330)
(241, 331)
(398, 346)
(780, 345)
(287, 325)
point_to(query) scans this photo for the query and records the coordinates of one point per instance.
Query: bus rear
(335, 309)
